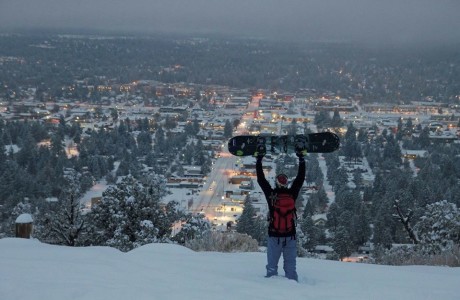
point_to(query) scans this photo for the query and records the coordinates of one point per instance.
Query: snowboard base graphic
(248, 145)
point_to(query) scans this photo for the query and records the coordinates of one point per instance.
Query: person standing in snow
(282, 216)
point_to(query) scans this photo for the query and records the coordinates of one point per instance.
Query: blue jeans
(287, 246)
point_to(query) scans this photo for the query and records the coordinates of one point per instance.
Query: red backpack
(283, 215)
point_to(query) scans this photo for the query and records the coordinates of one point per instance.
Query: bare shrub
(410, 255)
(223, 242)
(449, 258)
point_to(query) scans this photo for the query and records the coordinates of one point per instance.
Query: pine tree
(159, 140)
(409, 127)
(333, 215)
(309, 209)
(358, 179)
(322, 118)
(228, 129)
(246, 222)
(392, 151)
(57, 145)
(342, 243)
(439, 228)
(196, 126)
(399, 133)
(195, 226)
(382, 230)
(340, 180)
(351, 148)
(2, 152)
(311, 233)
(130, 214)
(199, 157)
(424, 138)
(360, 226)
(314, 173)
(323, 199)
(336, 120)
(144, 142)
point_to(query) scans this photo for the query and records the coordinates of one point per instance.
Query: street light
(223, 211)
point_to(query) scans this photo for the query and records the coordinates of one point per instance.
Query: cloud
(357, 20)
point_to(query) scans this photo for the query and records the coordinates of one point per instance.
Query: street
(212, 197)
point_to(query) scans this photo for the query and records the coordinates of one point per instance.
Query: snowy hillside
(32, 270)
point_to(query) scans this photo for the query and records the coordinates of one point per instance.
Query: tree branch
(405, 220)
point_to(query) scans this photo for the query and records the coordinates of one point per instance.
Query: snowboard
(247, 145)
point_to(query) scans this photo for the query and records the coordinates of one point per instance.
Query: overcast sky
(400, 21)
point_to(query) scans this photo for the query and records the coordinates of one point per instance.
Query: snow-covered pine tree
(314, 173)
(195, 226)
(439, 228)
(311, 234)
(131, 214)
(246, 221)
(250, 224)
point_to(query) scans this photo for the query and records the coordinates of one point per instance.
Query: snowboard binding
(300, 146)
(261, 149)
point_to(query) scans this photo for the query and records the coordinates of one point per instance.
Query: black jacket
(269, 192)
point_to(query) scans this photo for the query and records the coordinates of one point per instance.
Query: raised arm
(300, 178)
(261, 180)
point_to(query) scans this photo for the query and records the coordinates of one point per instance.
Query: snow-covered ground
(32, 270)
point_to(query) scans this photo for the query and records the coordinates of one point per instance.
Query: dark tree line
(392, 75)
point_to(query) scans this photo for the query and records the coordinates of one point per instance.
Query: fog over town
(377, 22)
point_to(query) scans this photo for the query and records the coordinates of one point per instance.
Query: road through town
(211, 200)
(212, 197)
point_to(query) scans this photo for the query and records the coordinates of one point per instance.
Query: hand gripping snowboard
(248, 145)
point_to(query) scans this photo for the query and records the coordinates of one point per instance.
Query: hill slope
(33, 270)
